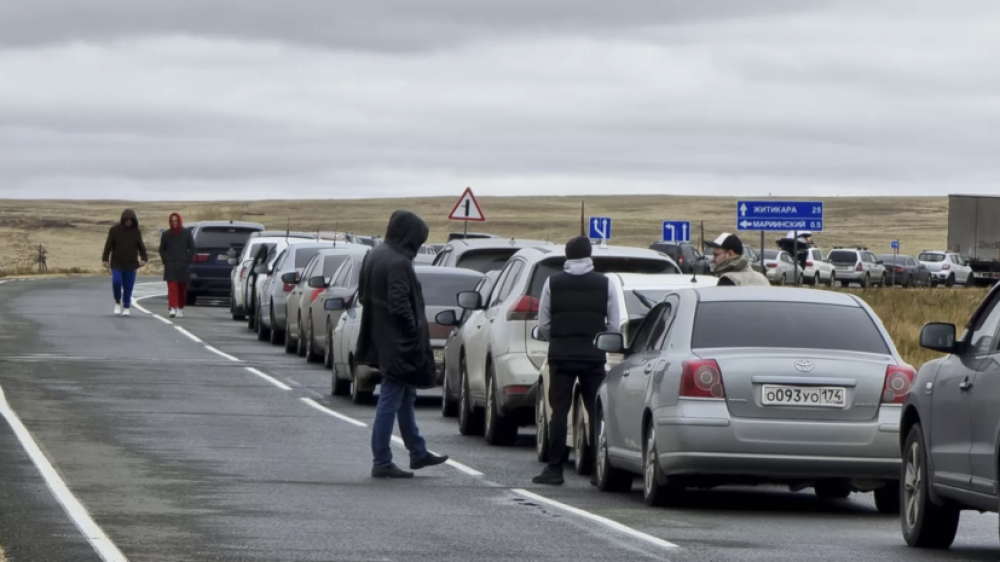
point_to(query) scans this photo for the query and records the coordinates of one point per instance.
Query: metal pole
(763, 269)
(895, 260)
(465, 230)
(795, 257)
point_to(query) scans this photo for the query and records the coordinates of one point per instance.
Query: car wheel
(609, 478)
(290, 343)
(449, 405)
(782, 281)
(925, 525)
(232, 310)
(359, 396)
(311, 355)
(883, 282)
(541, 425)
(845, 284)
(302, 340)
(815, 281)
(328, 347)
(833, 279)
(887, 498)
(950, 282)
(866, 282)
(500, 430)
(583, 453)
(263, 333)
(191, 299)
(470, 419)
(656, 489)
(277, 336)
(833, 489)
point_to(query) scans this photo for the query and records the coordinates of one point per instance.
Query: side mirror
(470, 300)
(334, 304)
(938, 336)
(291, 278)
(233, 261)
(536, 334)
(261, 269)
(317, 282)
(610, 342)
(446, 318)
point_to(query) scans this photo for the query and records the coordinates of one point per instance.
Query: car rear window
(443, 290)
(770, 254)
(222, 236)
(606, 264)
(303, 255)
(892, 259)
(486, 260)
(843, 257)
(672, 250)
(638, 302)
(331, 263)
(786, 324)
(931, 257)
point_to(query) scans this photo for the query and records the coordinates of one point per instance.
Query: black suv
(688, 258)
(215, 243)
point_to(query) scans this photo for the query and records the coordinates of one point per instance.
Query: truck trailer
(974, 233)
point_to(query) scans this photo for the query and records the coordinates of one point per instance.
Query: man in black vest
(575, 306)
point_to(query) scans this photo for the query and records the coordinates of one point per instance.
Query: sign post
(600, 229)
(895, 259)
(769, 216)
(676, 231)
(467, 209)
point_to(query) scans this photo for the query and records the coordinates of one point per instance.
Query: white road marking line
(3, 281)
(162, 319)
(316, 405)
(164, 283)
(189, 335)
(135, 303)
(76, 511)
(269, 379)
(597, 518)
(221, 353)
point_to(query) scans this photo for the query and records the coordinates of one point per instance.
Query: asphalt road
(180, 453)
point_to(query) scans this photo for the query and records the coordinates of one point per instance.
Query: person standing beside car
(394, 338)
(731, 266)
(124, 253)
(177, 250)
(575, 306)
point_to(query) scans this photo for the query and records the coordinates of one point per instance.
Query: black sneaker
(391, 471)
(549, 476)
(430, 459)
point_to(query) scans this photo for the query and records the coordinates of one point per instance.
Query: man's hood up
(407, 232)
(130, 214)
(578, 267)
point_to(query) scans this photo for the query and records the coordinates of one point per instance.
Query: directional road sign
(467, 208)
(894, 244)
(676, 231)
(779, 215)
(600, 228)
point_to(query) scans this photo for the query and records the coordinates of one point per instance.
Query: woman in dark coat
(176, 251)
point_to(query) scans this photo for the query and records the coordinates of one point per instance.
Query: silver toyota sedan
(754, 385)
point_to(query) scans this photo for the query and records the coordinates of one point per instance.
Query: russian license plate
(819, 396)
(223, 257)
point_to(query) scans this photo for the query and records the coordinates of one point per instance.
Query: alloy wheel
(912, 480)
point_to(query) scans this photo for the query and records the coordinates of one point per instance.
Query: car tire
(833, 279)
(328, 347)
(360, 396)
(499, 430)
(924, 524)
(263, 332)
(277, 336)
(470, 418)
(657, 490)
(542, 425)
(232, 311)
(191, 299)
(884, 282)
(833, 489)
(583, 453)
(950, 282)
(887, 498)
(845, 284)
(300, 342)
(310, 347)
(782, 281)
(290, 343)
(449, 405)
(609, 478)
(815, 281)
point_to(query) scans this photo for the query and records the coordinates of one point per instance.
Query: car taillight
(898, 380)
(858, 267)
(772, 264)
(288, 287)
(946, 266)
(315, 294)
(809, 264)
(701, 379)
(526, 308)
(900, 270)
(201, 257)
(680, 260)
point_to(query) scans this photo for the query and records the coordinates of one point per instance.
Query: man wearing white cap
(731, 266)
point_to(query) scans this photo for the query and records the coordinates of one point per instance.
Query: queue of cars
(706, 386)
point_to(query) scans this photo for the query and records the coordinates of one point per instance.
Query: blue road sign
(600, 228)
(676, 231)
(894, 244)
(779, 215)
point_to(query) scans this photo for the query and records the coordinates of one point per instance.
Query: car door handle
(626, 372)
(965, 385)
(648, 369)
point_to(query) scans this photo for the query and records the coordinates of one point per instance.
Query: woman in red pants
(177, 251)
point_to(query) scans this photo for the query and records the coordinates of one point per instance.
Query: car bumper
(517, 377)
(940, 275)
(701, 438)
(850, 275)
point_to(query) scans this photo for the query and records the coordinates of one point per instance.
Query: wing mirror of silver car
(290, 278)
(470, 300)
(261, 269)
(610, 342)
(317, 282)
(536, 334)
(938, 336)
(334, 304)
(446, 318)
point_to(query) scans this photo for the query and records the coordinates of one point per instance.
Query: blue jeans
(123, 281)
(395, 400)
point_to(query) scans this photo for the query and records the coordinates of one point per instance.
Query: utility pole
(583, 220)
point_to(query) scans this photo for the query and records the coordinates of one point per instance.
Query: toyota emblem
(805, 366)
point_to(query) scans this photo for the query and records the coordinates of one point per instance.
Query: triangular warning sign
(467, 208)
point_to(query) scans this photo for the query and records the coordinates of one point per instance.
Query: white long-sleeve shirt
(577, 267)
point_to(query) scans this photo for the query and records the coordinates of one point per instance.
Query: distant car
(704, 397)
(483, 254)
(469, 235)
(688, 258)
(216, 242)
(950, 429)
(947, 268)
(255, 251)
(781, 268)
(857, 265)
(440, 288)
(818, 269)
(275, 290)
(905, 271)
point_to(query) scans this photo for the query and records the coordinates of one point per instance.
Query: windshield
(931, 257)
(222, 236)
(606, 264)
(786, 324)
(443, 290)
(303, 255)
(638, 302)
(486, 260)
(843, 257)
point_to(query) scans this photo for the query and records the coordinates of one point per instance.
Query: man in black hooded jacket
(394, 338)
(124, 253)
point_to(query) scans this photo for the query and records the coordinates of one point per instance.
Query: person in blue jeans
(394, 338)
(124, 253)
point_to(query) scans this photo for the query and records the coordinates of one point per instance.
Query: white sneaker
(125, 312)
(180, 313)
(173, 312)
(118, 309)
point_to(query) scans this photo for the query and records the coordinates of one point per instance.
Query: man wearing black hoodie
(124, 253)
(394, 338)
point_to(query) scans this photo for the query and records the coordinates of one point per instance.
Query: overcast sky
(246, 99)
